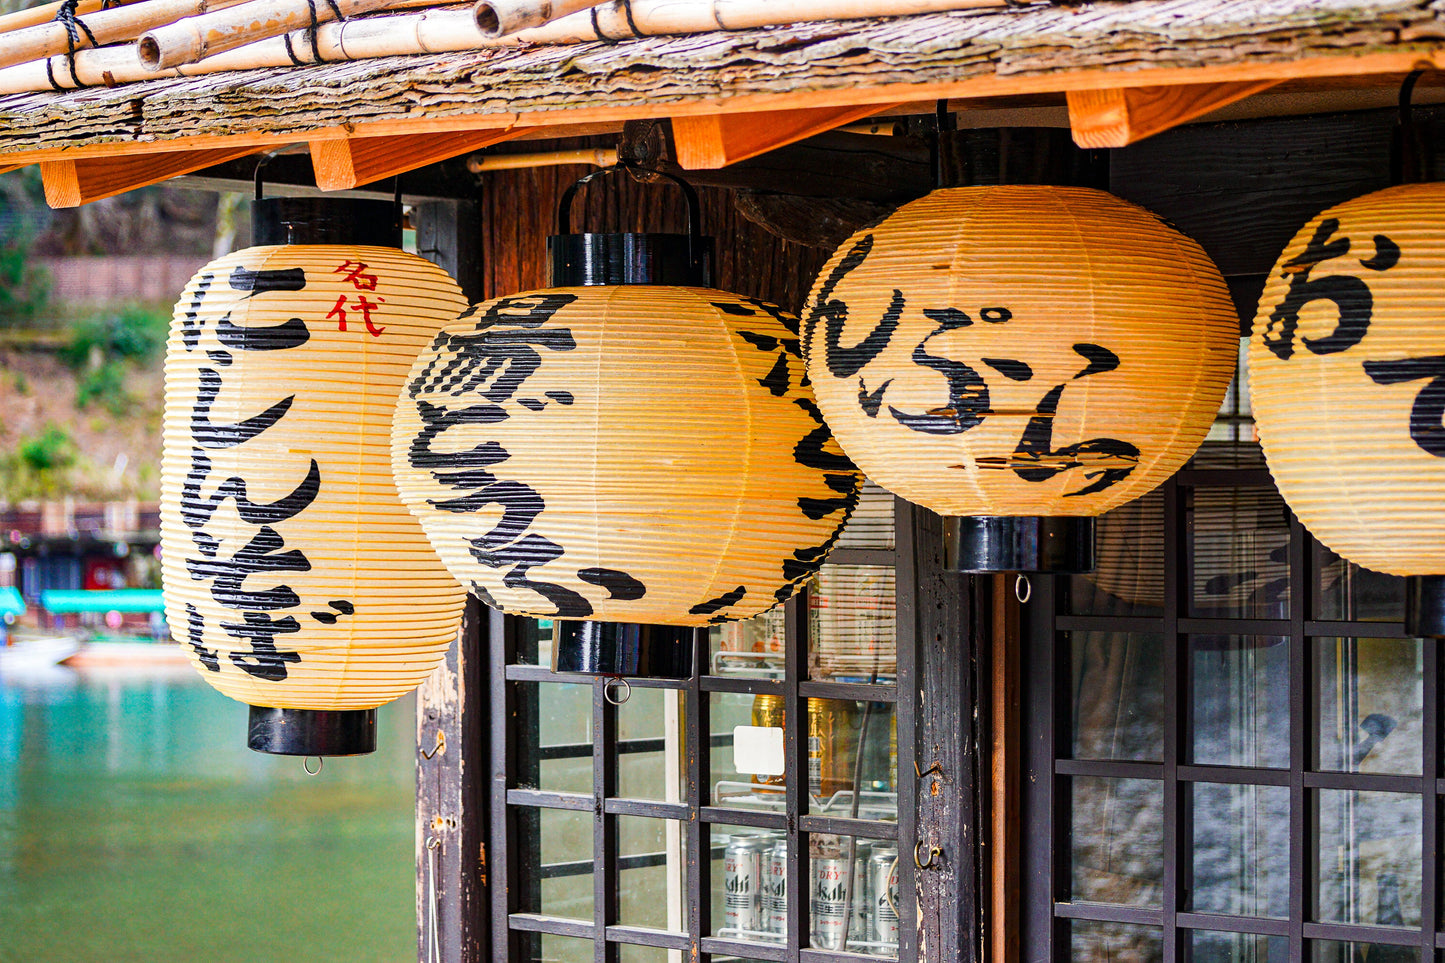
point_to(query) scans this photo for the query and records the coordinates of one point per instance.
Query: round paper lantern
(1020, 358)
(294, 576)
(630, 448)
(1347, 382)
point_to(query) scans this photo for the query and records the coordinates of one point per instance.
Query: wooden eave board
(1025, 51)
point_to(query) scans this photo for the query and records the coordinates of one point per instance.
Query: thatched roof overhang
(1203, 53)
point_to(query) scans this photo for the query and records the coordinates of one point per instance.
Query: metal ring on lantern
(617, 690)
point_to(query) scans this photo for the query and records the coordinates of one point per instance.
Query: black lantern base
(1425, 605)
(980, 544)
(312, 732)
(623, 649)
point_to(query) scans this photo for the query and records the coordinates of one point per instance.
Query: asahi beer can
(833, 884)
(883, 897)
(743, 884)
(775, 890)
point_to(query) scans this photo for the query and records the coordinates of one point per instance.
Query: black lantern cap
(579, 260)
(623, 649)
(1425, 605)
(1012, 543)
(325, 220)
(312, 732)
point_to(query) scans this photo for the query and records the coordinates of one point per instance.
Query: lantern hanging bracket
(1410, 155)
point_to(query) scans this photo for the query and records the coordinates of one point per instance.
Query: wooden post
(453, 746)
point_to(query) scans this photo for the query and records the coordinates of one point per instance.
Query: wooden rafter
(342, 163)
(1122, 116)
(71, 183)
(717, 140)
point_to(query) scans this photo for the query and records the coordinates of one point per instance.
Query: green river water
(135, 825)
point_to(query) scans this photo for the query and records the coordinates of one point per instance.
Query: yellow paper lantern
(294, 576)
(1347, 382)
(622, 453)
(1013, 355)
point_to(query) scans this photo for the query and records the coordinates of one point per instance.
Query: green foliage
(50, 451)
(105, 384)
(134, 333)
(24, 286)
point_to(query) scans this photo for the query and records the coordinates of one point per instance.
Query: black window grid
(513, 811)
(1048, 909)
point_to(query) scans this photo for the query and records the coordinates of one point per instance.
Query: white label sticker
(758, 750)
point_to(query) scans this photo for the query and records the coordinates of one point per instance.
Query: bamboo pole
(34, 16)
(596, 156)
(106, 26)
(193, 38)
(497, 18)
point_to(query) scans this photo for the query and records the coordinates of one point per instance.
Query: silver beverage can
(832, 887)
(775, 890)
(743, 884)
(883, 893)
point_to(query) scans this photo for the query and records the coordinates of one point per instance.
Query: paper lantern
(1020, 358)
(294, 576)
(1347, 382)
(630, 448)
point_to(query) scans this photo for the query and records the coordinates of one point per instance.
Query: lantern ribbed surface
(1020, 350)
(294, 576)
(1347, 378)
(641, 454)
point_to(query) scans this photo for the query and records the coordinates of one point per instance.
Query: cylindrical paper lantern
(1347, 382)
(1018, 358)
(294, 576)
(629, 447)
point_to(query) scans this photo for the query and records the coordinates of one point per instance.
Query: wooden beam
(1126, 115)
(347, 162)
(717, 140)
(71, 183)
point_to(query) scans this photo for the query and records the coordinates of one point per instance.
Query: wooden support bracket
(1120, 116)
(71, 183)
(342, 163)
(717, 140)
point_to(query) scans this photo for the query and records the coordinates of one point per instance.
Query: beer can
(768, 713)
(743, 884)
(835, 923)
(883, 893)
(832, 737)
(775, 890)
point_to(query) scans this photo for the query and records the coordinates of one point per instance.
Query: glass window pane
(746, 790)
(1239, 700)
(1238, 552)
(1128, 576)
(851, 623)
(534, 641)
(1208, 946)
(1240, 850)
(1369, 857)
(1330, 951)
(1118, 689)
(870, 888)
(554, 847)
(752, 648)
(649, 745)
(1091, 941)
(1346, 592)
(1117, 840)
(631, 953)
(871, 524)
(1369, 696)
(549, 948)
(651, 875)
(746, 901)
(853, 743)
(553, 729)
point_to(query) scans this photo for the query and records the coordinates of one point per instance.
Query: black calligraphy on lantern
(1104, 462)
(839, 473)
(492, 363)
(265, 556)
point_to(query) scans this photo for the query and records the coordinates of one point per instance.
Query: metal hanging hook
(610, 690)
(1023, 589)
(933, 853)
(441, 746)
(306, 765)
